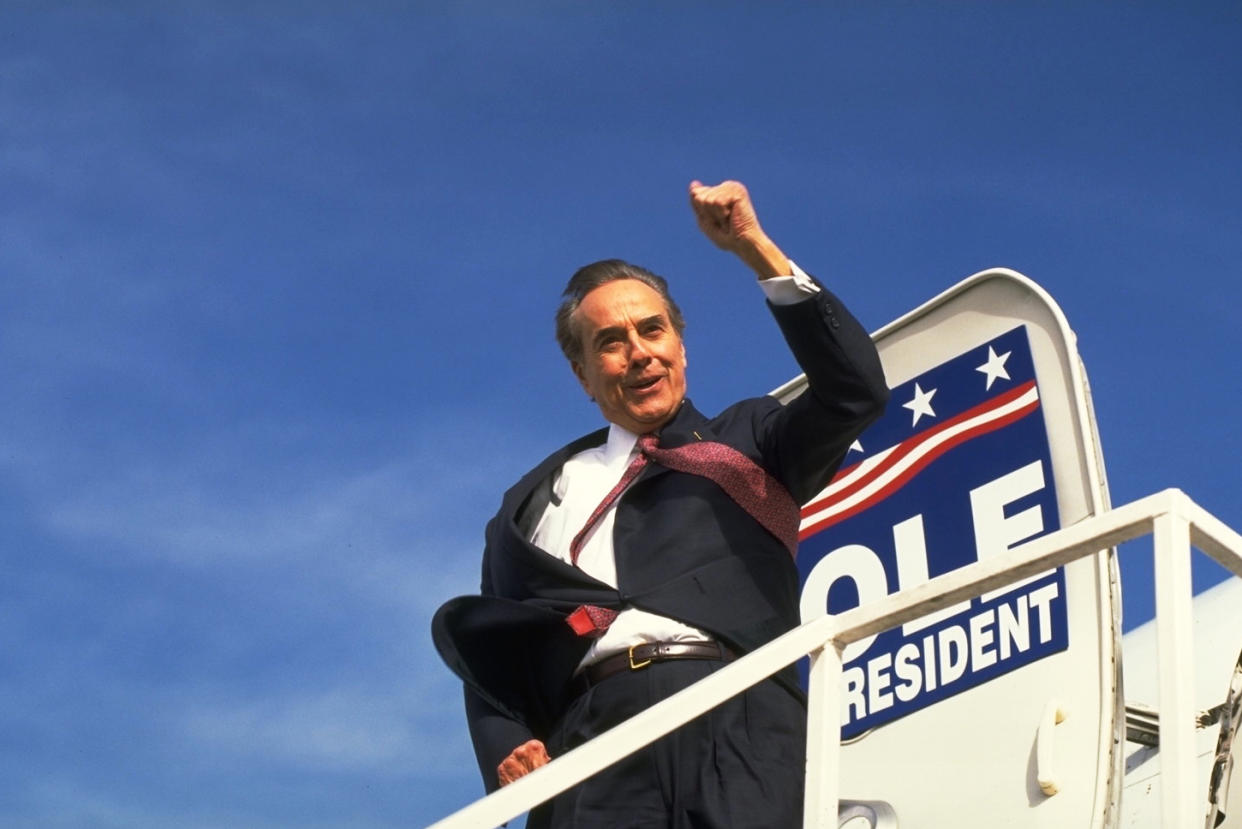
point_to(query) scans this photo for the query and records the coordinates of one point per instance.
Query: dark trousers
(739, 765)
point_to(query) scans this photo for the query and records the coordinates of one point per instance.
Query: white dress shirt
(584, 481)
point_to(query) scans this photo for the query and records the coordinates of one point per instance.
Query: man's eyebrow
(619, 330)
(607, 332)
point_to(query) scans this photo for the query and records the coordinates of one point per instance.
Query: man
(644, 556)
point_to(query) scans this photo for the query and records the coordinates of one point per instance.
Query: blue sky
(276, 286)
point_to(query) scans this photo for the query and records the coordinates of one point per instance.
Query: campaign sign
(957, 469)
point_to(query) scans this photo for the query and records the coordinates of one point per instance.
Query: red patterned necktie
(763, 497)
(631, 472)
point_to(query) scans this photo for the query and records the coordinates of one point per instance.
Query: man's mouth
(645, 384)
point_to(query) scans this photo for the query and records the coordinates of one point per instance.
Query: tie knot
(647, 442)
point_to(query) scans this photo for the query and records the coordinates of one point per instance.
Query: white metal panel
(975, 753)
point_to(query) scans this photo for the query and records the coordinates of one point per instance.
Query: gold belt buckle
(635, 666)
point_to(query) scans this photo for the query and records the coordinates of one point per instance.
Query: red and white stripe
(864, 484)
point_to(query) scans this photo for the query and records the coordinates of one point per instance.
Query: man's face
(633, 360)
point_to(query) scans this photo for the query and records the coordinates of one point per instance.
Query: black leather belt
(640, 656)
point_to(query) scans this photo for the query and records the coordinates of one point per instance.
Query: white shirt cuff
(786, 290)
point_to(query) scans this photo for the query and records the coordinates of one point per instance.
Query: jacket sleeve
(806, 440)
(494, 735)
(514, 658)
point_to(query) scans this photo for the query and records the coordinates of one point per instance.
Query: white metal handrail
(1176, 524)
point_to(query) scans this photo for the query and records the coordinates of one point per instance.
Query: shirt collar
(620, 443)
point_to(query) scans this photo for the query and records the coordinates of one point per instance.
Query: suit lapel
(529, 512)
(529, 498)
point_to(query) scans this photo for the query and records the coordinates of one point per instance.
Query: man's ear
(581, 375)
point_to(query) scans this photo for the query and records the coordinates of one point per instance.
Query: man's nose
(639, 352)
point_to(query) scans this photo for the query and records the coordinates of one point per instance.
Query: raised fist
(725, 214)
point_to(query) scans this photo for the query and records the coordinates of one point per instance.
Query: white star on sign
(995, 366)
(856, 446)
(921, 404)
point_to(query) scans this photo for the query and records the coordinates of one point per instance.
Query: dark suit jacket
(683, 548)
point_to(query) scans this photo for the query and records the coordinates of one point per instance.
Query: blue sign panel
(957, 469)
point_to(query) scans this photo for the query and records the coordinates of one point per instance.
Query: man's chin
(649, 420)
